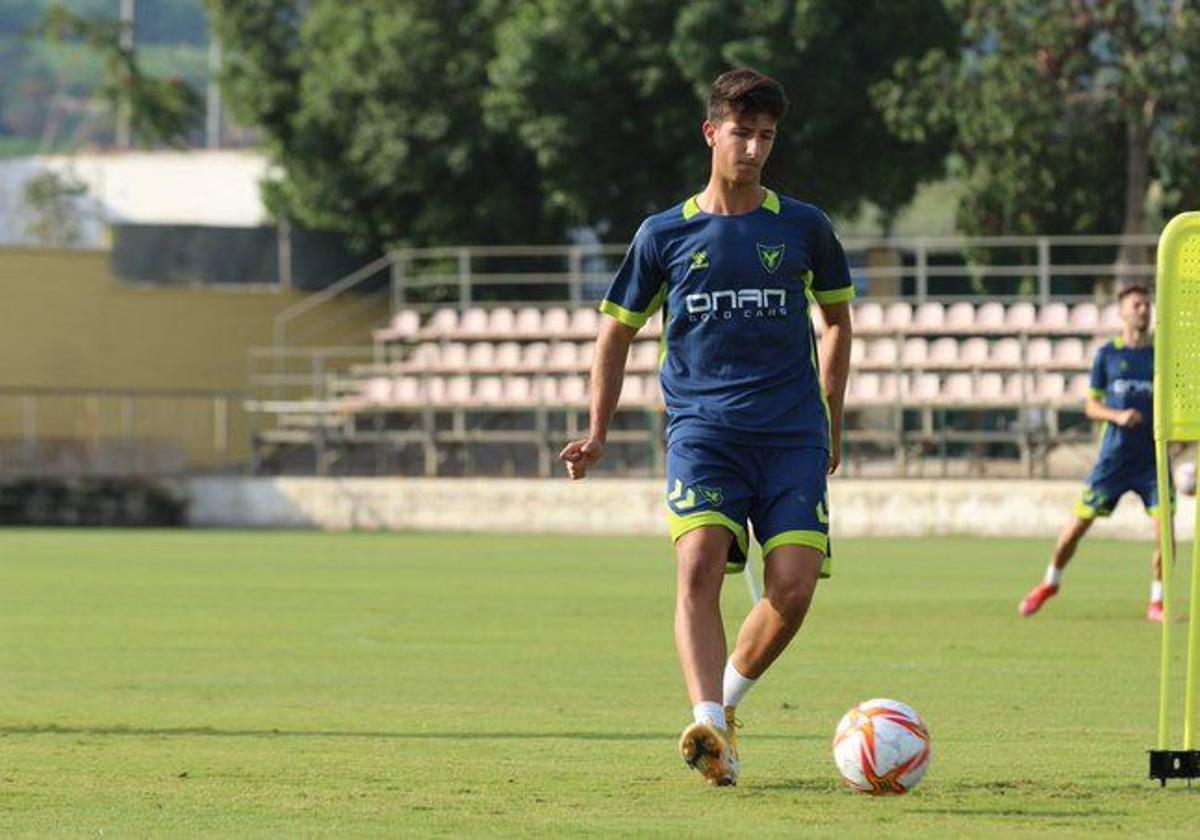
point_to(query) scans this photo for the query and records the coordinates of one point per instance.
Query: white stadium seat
(1040, 351)
(915, 351)
(425, 356)
(1051, 387)
(502, 321)
(858, 350)
(481, 355)
(1006, 353)
(990, 317)
(1068, 352)
(868, 317)
(454, 356)
(474, 322)
(378, 390)
(899, 316)
(653, 328)
(1021, 317)
(631, 391)
(458, 390)
(990, 388)
(407, 390)
(943, 351)
(564, 356)
(1110, 318)
(573, 390)
(930, 315)
(443, 322)
(974, 351)
(1084, 317)
(958, 388)
(1053, 317)
(508, 356)
(518, 391)
(882, 351)
(533, 355)
(644, 355)
(921, 387)
(404, 325)
(528, 323)
(584, 322)
(584, 353)
(489, 390)
(1078, 387)
(960, 317)
(555, 322)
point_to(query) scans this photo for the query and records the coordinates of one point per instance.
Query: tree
(1064, 114)
(609, 95)
(53, 214)
(373, 111)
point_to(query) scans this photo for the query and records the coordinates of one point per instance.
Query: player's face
(741, 146)
(1135, 311)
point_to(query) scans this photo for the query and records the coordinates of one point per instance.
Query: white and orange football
(882, 747)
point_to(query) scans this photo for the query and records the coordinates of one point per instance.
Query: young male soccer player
(1122, 397)
(754, 413)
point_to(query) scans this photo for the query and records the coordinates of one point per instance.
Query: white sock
(1053, 575)
(1156, 592)
(708, 712)
(736, 686)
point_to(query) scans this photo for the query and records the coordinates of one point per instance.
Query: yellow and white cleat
(710, 751)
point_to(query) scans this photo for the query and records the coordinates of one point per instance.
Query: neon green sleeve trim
(628, 317)
(1095, 393)
(681, 525)
(834, 295)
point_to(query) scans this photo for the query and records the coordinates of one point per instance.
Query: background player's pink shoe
(1154, 612)
(1036, 597)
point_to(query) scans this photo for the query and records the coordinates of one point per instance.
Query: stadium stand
(982, 376)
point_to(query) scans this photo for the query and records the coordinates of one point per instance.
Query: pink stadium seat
(915, 351)
(454, 356)
(489, 390)
(858, 350)
(528, 323)
(644, 356)
(921, 387)
(1110, 318)
(959, 388)
(533, 355)
(960, 317)
(1054, 317)
(1051, 387)
(1020, 387)
(990, 388)
(631, 391)
(899, 316)
(1084, 316)
(474, 322)
(943, 351)
(407, 391)
(862, 387)
(1068, 352)
(378, 390)
(1021, 316)
(1078, 387)
(555, 322)
(481, 356)
(1040, 352)
(584, 322)
(930, 315)
(435, 390)
(573, 390)
(508, 356)
(882, 351)
(443, 322)
(545, 391)
(425, 356)
(868, 317)
(458, 390)
(502, 321)
(974, 351)
(518, 391)
(564, 356)
(404, 325)
(1006, 353)
(584, 353)
(990, 317)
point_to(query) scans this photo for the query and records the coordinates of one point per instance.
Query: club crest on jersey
(699, 261)
(771, 256)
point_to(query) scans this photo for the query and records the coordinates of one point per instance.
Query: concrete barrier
(858, 508)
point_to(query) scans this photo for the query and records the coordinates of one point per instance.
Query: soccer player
(1122, 398)
(754, 412)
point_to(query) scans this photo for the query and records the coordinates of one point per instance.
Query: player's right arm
(1094, 407)
(608, 372)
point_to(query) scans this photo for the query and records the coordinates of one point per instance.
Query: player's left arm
(835, 369)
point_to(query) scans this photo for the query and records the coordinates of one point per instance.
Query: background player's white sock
(736, 685)
(1053, 575)
(1156, 592)
(706, 712)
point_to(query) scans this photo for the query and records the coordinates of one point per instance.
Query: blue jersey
(1123, 377)
(739, 359)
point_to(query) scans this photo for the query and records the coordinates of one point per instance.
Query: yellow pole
(1166, 547)
(1193, 663)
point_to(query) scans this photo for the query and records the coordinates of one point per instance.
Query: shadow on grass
(212, 732)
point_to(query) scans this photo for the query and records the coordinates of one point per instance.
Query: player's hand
(578, 455)
(1129, 418)
(835, 452)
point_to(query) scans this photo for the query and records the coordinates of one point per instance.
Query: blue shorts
(1110, 481)
(779, 490)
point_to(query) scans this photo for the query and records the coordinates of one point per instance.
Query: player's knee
(792, 600)
(700, 576)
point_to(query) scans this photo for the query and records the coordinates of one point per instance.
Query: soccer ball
(881, 747)
(1185, 478)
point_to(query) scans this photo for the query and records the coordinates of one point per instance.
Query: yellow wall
(65, 321)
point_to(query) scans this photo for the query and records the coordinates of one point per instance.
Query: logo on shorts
(823, 510)
(771, 256)
(712, 495)
(683, 499)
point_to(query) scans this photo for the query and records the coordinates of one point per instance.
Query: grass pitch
(168, 683)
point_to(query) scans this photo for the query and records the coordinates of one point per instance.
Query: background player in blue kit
(1121, 396)
(754, 411)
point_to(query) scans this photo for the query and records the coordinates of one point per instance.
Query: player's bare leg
(1064, 550)
(1154, 612)
(790, 576)
(700, 642)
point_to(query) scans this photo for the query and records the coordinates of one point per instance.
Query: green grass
(167, 683)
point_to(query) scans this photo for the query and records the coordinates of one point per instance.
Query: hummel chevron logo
(699, 261)
(823, 512)
(678, 500)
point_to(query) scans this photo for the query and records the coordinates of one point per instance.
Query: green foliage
(49, 203)
(200, 683)
(610, 96)
(1053, 106)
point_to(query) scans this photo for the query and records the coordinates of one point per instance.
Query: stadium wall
(891, 508)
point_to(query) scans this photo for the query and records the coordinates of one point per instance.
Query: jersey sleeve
(831, 276)
(639, 286)
(1098, 380)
